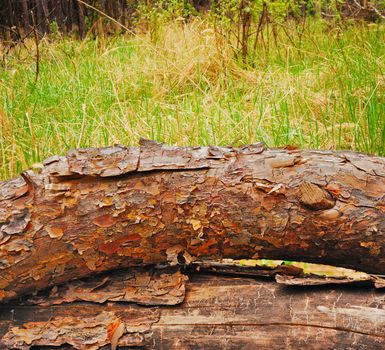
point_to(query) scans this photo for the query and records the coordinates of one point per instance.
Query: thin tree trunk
(60, 17)
(26, 24)
(38, 17)
(217, 313)
(46, 16)
(10, 19)
(100, 209)
(81, 20)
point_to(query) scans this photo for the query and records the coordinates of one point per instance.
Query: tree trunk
(25, 15)
(217, 313)
(100, 209)
(81, 20)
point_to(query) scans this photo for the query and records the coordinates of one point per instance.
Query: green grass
(325, 90)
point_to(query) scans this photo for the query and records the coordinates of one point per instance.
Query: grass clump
(321, 89)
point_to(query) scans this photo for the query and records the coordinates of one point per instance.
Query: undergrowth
(319, 86)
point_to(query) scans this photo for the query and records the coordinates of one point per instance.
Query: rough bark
(217, 313)
(99, 209)
(145, 286)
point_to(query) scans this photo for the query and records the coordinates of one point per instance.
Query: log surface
(99, 209)
(217, 313)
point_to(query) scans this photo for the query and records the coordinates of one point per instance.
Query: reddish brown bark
(99, 209)
(217, 313)
(144, 286)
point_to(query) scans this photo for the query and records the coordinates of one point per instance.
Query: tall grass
(323, 89)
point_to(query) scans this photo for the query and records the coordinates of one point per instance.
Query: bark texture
(99, 209)
(217, 313)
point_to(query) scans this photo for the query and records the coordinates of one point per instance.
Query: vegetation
(306, 82)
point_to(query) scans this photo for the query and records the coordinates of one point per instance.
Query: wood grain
(218, 313)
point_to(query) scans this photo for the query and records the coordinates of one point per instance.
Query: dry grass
(187, 88)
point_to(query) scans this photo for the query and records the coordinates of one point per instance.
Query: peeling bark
(100, 209)
(218, 312)
(142, 286)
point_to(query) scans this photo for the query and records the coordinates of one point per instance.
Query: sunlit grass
(324, 90)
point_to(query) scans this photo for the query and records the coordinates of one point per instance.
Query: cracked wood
(217, 313)
(94, 210)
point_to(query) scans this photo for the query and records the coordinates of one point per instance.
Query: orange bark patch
(113, 247)
(114, 332)
(374, 248)
(55, 232)
(105, 221)
(334, 189)
(206, 246)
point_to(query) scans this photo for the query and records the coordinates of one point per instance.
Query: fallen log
(96, 210)
(217, 313)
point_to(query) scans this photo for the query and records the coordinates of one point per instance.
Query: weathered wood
(144, 286)
(218, 313)
(100, 209)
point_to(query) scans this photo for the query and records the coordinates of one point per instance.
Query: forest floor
(322, 87)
